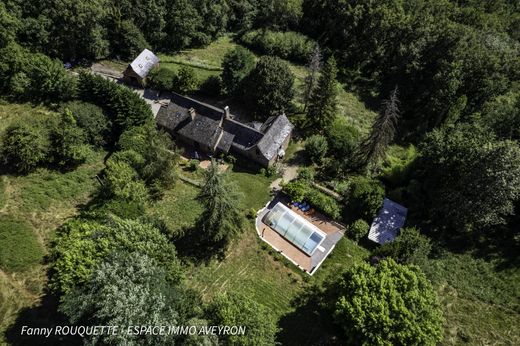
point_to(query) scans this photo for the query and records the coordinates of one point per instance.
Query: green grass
(179, 207)
(13, 297)
(345, 255)
(12, 112)
(480, 302)
(2, 192)
(41, 189)
(20, 248)
(254, 186)
(249, 269)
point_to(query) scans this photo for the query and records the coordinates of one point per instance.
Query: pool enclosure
(293, 227)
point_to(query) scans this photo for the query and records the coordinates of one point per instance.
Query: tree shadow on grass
(192, 247)
(45, 315)
(308, 323)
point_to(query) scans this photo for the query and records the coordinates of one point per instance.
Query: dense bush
(325, 203)
(397, 166)
(68, 142)
(20, 247)
(122, 182)
(409, 247)
(236, 65)
(286, 45)
(358, 229)
(91, 119)
(296, 189)
(34, 77)
(25, 146)
(185, 81)
(161, 78)
(152, 154)
(82, 244)
(125, 108)
(134, 278)
(364, 198)
(343, 139)
(300, 190)
(235, 309)
(316, 148)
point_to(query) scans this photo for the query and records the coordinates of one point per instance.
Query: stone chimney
(226, 112)
(191, 111)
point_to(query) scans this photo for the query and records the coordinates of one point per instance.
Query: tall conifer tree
(322, 104)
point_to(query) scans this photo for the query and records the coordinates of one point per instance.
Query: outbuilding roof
(388, 222)
(144, 63)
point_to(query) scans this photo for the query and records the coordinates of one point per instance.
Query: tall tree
(471, 180)
(269, 88)
(387, 304)
(315, 63)
(323, 102)
(373, 149)
(126, 288)
(221, 220)
(236, 65)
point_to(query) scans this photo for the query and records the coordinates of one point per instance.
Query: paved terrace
(307, 263)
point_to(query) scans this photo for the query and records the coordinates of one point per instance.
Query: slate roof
(388, 222)
(211, 127)
(144, 63)
(274, 135)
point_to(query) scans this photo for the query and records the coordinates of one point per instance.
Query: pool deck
(309, 264)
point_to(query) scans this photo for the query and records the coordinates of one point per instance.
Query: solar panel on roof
(300, 232)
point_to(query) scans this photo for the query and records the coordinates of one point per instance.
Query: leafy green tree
(343, 139)
(502, 115)
(316, 148)
(268, 89)
(76, 28)
(125, 108)
(358, 229)
(410, 247)
(152, 154)
(323, 101)
(236, 309)
(222, 218)
(68, 141)
(91, 119)
(82, 244)
(386, 304)
(127, 41)
(374, 147)
(24, 146)
(122, 182)
(183, 26)
(236, 65)
(471, 180)
(185, 81)
(364, 198)
(125, 288)
(9, 24)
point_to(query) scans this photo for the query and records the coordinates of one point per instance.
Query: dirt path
(290, 172)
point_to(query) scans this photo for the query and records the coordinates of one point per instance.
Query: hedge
(286, 45)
